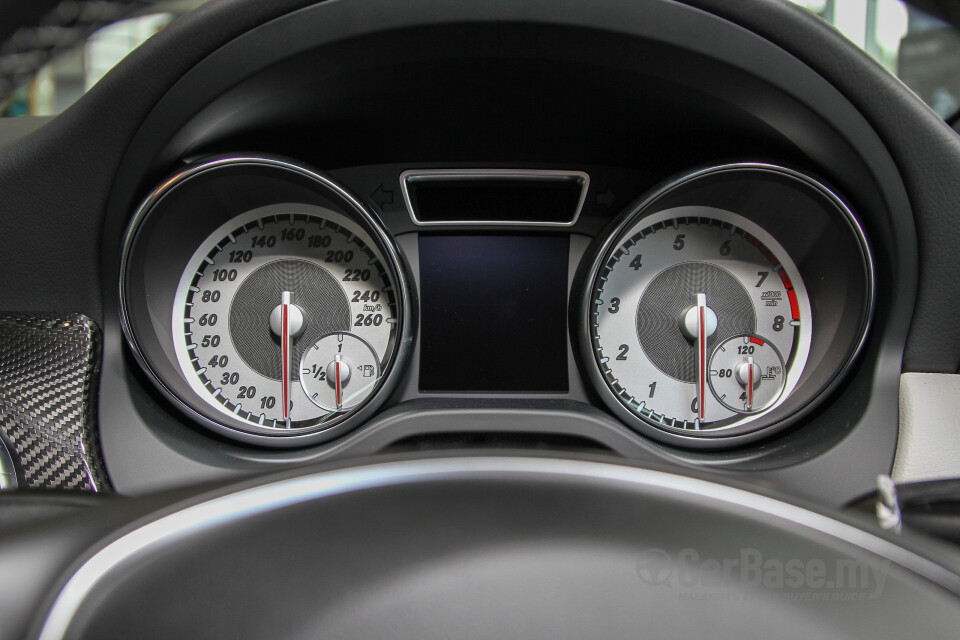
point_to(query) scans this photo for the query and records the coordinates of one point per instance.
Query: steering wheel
(486, 547)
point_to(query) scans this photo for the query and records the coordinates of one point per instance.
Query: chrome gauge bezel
(815, 383)
(155, 351)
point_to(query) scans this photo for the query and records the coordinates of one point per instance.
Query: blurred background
(71, 74)
(922, 50)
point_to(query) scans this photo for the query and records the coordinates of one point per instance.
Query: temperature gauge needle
(701, 351)
(750, 383)
(285, 302)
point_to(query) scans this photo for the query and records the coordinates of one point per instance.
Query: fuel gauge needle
(285, 302)
(339, 397)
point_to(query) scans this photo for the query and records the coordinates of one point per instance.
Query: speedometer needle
(286, 322)
(285, 302)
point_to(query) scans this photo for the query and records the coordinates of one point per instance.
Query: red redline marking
(794, 305)
(286, 366)
(785, 279)
(756, 341)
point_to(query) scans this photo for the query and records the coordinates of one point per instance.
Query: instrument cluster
(273, 306)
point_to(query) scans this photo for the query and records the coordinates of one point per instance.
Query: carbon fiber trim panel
(49, 367)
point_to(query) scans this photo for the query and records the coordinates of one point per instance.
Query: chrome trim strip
(283, 493)
(480, 174)
(8, 473)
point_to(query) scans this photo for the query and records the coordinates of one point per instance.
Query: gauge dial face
(262, 292)
(746, 374)
(672, 298)
(339, 371)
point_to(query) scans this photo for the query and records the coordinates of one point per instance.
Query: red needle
(338, 381)
(285, 337)
(702, 348)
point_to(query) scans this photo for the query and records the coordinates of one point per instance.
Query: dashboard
(296, 312)
(479, 188)
(589, 233)
(655, 247)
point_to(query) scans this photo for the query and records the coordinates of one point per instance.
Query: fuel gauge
(339, 371)
(746, 373)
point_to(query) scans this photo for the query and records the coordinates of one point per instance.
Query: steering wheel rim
(477, 521)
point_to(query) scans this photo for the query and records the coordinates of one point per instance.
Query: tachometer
(725, 304)
(681, 285)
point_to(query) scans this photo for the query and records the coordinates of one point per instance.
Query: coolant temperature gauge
(339, 371)
(746, 374)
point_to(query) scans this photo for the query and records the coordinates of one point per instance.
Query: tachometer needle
(285, 302)
(697, 324)
(701, 351)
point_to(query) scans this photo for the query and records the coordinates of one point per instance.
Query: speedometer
(265, 300)
(258, 298)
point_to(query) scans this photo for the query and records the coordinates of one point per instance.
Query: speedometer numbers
(285, 316)
(698, 321)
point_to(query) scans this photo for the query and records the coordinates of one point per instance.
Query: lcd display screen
(493, 313)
